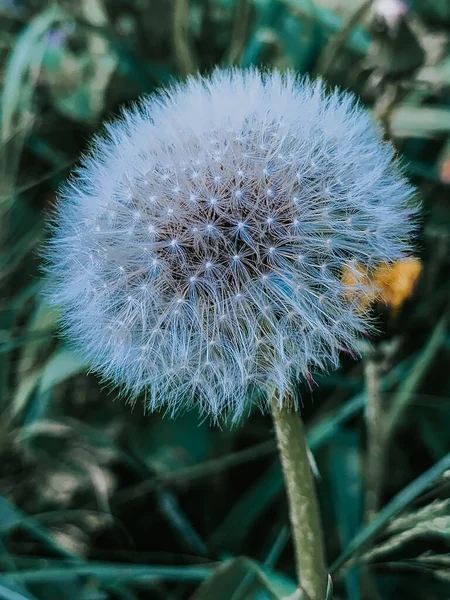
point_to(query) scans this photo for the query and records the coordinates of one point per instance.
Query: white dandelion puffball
(198, 251)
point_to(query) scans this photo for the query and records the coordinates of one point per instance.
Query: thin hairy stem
(302, 499)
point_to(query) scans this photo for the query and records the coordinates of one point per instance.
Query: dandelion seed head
(197, 253)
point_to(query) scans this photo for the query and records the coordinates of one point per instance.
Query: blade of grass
(184, 53)
(22, 72)
(258, 40)
(345, 477)
(16, 518)
(148, 76)
(239, 34)
(412, 382)
(62, 365)
(21, 59)
(357, 40)
(115, 572)
(340, 39)
(9, 591)
(404, 498)
(419, 121)
(277, 548)
(185, 475)
(244, 514)
(17, 342)
(264, 492)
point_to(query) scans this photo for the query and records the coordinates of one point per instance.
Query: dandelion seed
(325, 160)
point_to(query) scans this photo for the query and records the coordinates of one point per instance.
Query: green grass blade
(10, 591)
(417, 373)
(11, 518)
(244, 514)
(115, 572)
(392, 509)
(23, 56)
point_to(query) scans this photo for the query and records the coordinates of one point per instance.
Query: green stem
(302, 499)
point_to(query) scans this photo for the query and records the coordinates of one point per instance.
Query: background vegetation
(98, 501)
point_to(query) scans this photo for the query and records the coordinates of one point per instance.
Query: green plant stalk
(302, 499)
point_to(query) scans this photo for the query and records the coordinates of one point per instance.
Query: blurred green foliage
(98, 501)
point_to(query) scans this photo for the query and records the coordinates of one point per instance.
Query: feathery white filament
(198, 251)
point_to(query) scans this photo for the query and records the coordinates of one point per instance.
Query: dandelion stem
(302, 499)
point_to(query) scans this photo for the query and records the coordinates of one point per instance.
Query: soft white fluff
(197, 252)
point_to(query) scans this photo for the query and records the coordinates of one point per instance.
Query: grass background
(98, 501)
